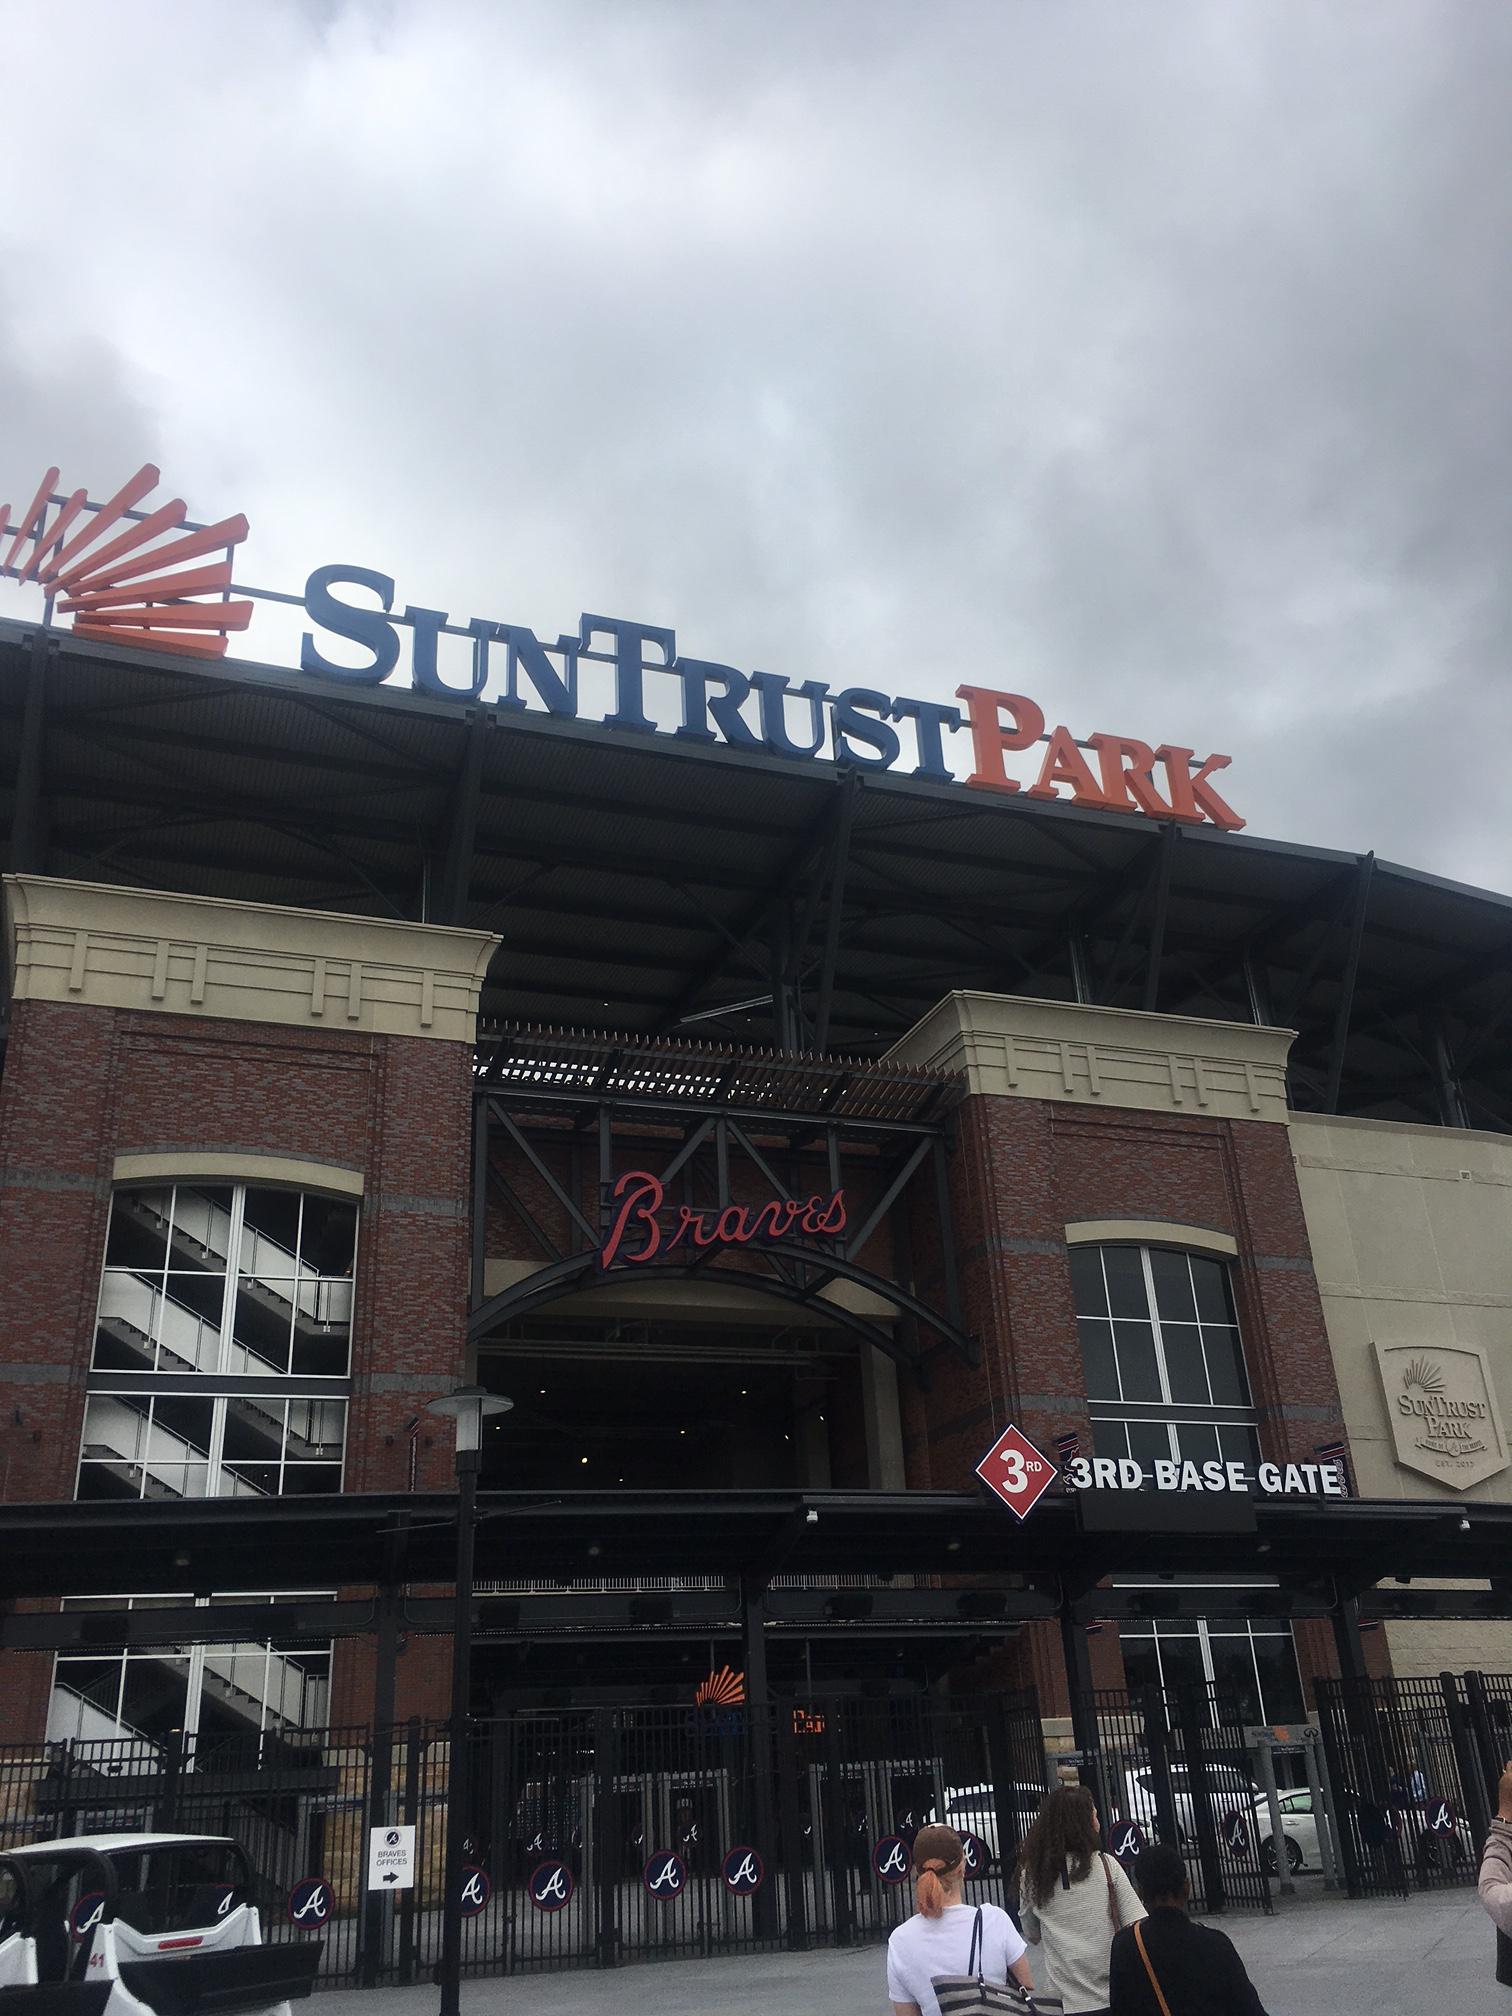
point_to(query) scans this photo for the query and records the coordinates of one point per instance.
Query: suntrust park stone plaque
(1443, 1412)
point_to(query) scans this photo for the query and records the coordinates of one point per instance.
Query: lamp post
(467, 1406)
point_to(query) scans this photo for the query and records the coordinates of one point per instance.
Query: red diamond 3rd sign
(1016, 1471)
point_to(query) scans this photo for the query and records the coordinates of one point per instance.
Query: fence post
(173, 1766)
(1493, 1755)
(1466, 1762)
(836, 1839)
(1325, 1809)
(1266, 1761)
(411, 1819)
(1330, 1707)
(790, 1822)
(1152, 1705)
(606, 1754)
(1209, 1860)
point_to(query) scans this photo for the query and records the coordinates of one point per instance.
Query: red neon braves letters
(641, 1201)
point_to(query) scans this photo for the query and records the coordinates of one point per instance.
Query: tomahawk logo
(138, 588)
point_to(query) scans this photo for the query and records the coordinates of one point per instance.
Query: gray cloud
(1149, 360)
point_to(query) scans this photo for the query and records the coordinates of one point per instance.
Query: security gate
(595, 1836)
(1174, 1761)
(1414, 1764)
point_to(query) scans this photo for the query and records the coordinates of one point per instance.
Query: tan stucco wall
(1411, 1232)
(97, 945)
(1010, 1046)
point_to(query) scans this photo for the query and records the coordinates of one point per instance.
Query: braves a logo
(309, 1902)
(890, 1859)
(743, 1871)
(665, 1876)
(551, 1886)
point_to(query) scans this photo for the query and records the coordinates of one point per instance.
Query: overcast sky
(1151, 359)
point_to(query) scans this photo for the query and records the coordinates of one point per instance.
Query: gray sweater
(1074, 1927)
(1495, 1876)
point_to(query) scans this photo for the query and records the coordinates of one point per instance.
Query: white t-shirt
(923, 1947)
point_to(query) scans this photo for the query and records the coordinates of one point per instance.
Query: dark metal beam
(1351, 970)
(463, 825)
(851, 792)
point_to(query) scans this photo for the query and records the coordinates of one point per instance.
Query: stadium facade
(775, 1120)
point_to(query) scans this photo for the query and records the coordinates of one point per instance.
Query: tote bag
(969, 1994)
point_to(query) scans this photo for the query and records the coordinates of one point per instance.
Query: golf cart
(140, 1925)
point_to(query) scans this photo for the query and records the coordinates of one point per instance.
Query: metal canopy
(364, 1539)
(645, 886)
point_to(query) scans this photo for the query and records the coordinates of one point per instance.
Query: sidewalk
(1427, 1955)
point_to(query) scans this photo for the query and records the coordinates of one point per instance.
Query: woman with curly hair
(938, 1938)
(1072, 1899)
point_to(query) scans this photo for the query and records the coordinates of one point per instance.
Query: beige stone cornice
(1016, 1048)
(100, 946)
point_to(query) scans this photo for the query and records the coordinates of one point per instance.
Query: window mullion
(1160, 1356)
(233, 1269)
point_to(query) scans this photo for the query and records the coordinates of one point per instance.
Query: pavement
(1432, 1954)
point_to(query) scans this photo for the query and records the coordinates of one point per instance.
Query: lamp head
(468, 1406)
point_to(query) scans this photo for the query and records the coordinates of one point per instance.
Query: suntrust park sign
(510, 667)
(140, 588)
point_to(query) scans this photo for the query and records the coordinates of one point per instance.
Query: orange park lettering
(1115, 773)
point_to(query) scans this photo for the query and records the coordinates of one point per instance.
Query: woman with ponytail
(937, 1940)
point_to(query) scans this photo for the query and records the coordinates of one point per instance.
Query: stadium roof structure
(714, 894)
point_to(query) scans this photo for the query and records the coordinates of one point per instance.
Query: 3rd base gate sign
(1016, 1471)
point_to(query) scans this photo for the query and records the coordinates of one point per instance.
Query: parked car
(1228, 1787)
(141, 1925)
(973, 1809)
(1299, 1826)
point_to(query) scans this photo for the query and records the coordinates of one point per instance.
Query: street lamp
(466, 1405)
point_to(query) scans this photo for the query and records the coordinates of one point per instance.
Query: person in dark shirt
(1199, 1972)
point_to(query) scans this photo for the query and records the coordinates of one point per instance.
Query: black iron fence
(596, 1835)
(1172, 1763)
(1413, 1765)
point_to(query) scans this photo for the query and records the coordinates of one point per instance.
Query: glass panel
(1238, 1445)
(1141, 1661)
(254, 1432)
(1210, 1279)
(1280, 1683)
(303, 1480)
(244, 1479)
(201, 1227)
(1173, 1286)
(157, 1693)
(324, 1351)
(316, 1430)
(1087, 1281)
(189, 1323)
(1296, 1802)
(1226, 1367)
(270, 1233)
(262, 1325)
(127, 1325)
(1149, 1442)
(1234, 1675)
(1184, 1364)
(328, 1237)
(139, 1226)
(1196, 1441)
(1136, 1361)
(1109, 1439)
(116, 1426)
(1126, 1282)
(1181, 1660)
(183, 1419)
(1097, 1358)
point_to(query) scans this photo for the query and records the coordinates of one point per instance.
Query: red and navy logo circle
(551, 1886)
(1126, 1840)
(86, 1914)
(743, 1871)
(309, 1901)
(976, 1853)
(474, 1888)
(665, 1876)
(890, 1859)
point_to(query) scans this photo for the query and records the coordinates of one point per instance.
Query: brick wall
(84, 1084)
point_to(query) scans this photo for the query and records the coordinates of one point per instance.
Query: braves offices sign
(355, 640)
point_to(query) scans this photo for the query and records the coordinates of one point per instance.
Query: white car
(1228, 1788)
(140, 1925)
(973, 1809)
(1299, 1827)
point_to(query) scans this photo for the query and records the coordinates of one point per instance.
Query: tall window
(222, 1345)
(1164, 1364)
(220, 1370)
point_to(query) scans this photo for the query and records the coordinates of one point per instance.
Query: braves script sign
(644, 1225)
(1016, 1471)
